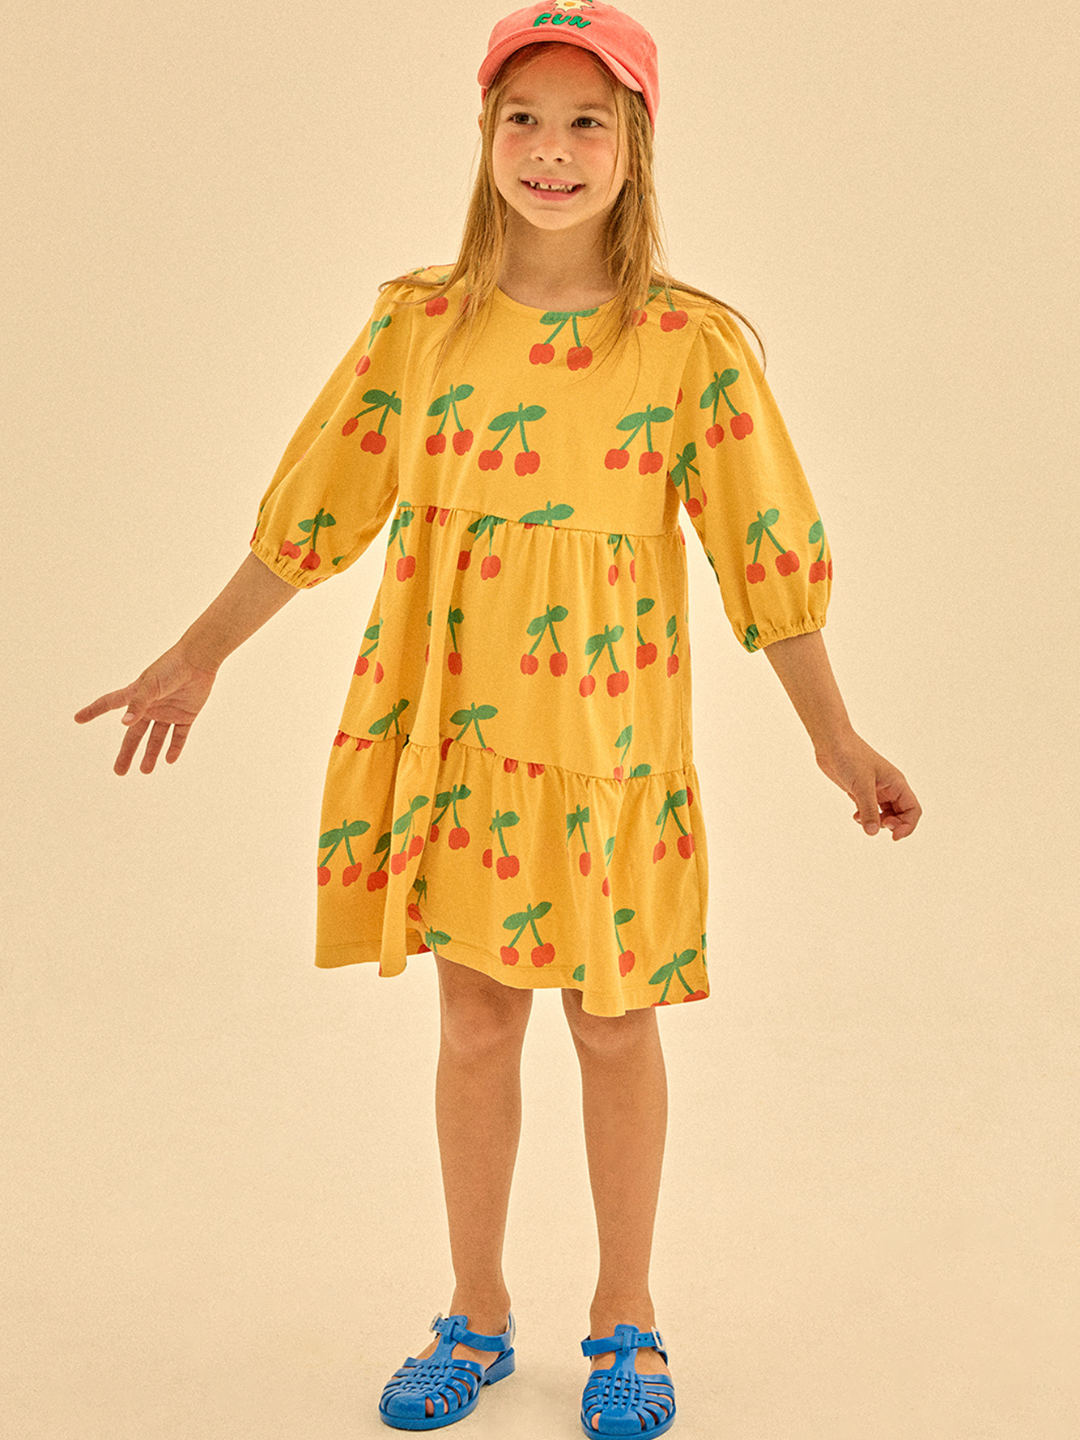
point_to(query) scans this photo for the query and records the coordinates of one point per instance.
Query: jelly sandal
(625, 1402)
(453, 1386)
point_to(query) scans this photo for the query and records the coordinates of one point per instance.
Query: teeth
(562, 189)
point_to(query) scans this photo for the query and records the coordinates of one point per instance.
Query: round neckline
(547, 309)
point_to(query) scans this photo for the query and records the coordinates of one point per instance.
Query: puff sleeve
(337, 480)
(741, 484)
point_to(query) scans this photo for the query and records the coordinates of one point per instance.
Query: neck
(553, 270)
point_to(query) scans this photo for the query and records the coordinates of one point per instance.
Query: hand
(171, 692)
(881, 794)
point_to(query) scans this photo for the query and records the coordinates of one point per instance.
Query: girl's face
(555, 153)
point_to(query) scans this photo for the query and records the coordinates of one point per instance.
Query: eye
(520, 117)
(588, 120)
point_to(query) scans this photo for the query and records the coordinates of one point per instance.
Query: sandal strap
(455, 1331)
(626, 1337)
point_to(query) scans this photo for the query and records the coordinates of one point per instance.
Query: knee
(478, 1015)
(607, 1035)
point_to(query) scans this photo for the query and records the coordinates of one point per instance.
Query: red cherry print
(340, 737)
(362, 663)
(633, 569)
(324, 875)
(559, 662)
(650, 461)
(617, 459)
(696, 995)
(442, 516)
(416, 844)
(693, 508)
(618, 682)
(433, 834)
(438, 305)
(673, 319)
(350, 426)
(398, 863)
(463, 559)
(311, 561)
(453, 662)
(741, 426)
(444, 748)
(659, 851)
(612, 574)
(755, 573)
(529, 664)
(646, 654)
(685, 846)
(373, 442)
(436, 444)
(527, 463)
(588, 684)
(463, 442)
(605, 888)
(534, 770)
(672, 664)
(640, 316)
(714, 434)
(289, 549)
(830, 569)
(406, 567)
(363, 365)
(507, 866)
(350, 873)
(543, 954)
(459, 838)
(689, 796)
(585, 862)
(818, 571)
(486, 857)
(377, 880)
(364, 744)
(490, 459)
(508, 955)
(617, 774)
(432, 510)
(510, 766)
(579, 357)
(490, 567)
(379, 673)
(542, 354)
(787, 563)
(413, 912)
(626, 962)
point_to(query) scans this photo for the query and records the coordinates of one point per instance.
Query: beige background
(221, 1206)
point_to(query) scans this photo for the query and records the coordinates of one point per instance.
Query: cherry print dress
(512, 784)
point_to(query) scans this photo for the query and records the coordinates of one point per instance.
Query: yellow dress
(512, 784)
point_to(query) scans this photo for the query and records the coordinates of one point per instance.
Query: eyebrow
(526, 102)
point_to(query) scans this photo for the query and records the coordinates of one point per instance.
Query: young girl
(512, 786)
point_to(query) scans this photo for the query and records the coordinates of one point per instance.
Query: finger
(156, 740)
(867, 814)
(130, 744)
(104, 703)
(179, 739)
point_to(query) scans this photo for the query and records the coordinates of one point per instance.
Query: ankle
(487, 1314)
(606, 1312)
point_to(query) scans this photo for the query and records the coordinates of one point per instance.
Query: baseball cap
(626, 48)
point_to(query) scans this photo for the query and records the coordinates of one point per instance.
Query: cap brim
(494, 58)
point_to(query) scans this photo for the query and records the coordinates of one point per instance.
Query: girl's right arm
(172, 691)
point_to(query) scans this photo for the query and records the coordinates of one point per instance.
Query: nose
(549, 144)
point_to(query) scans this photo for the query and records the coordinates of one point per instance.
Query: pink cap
(625, 47)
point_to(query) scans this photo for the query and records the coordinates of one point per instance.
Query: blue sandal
(627, 1403)
(453, 1384)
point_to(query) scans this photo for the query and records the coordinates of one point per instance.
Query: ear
(480, 120)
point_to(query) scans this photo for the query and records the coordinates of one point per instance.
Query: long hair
(633, 236)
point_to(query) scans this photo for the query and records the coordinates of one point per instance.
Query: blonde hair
(633, 237)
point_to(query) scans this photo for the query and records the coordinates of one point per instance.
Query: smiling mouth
(545, 188)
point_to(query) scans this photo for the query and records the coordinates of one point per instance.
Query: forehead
(566, 70)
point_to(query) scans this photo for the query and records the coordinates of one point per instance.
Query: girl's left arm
(881, 794)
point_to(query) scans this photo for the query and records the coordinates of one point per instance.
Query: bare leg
(624, 1101)
(478, 1116)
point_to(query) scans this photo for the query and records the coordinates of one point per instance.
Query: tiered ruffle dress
(512, 784)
